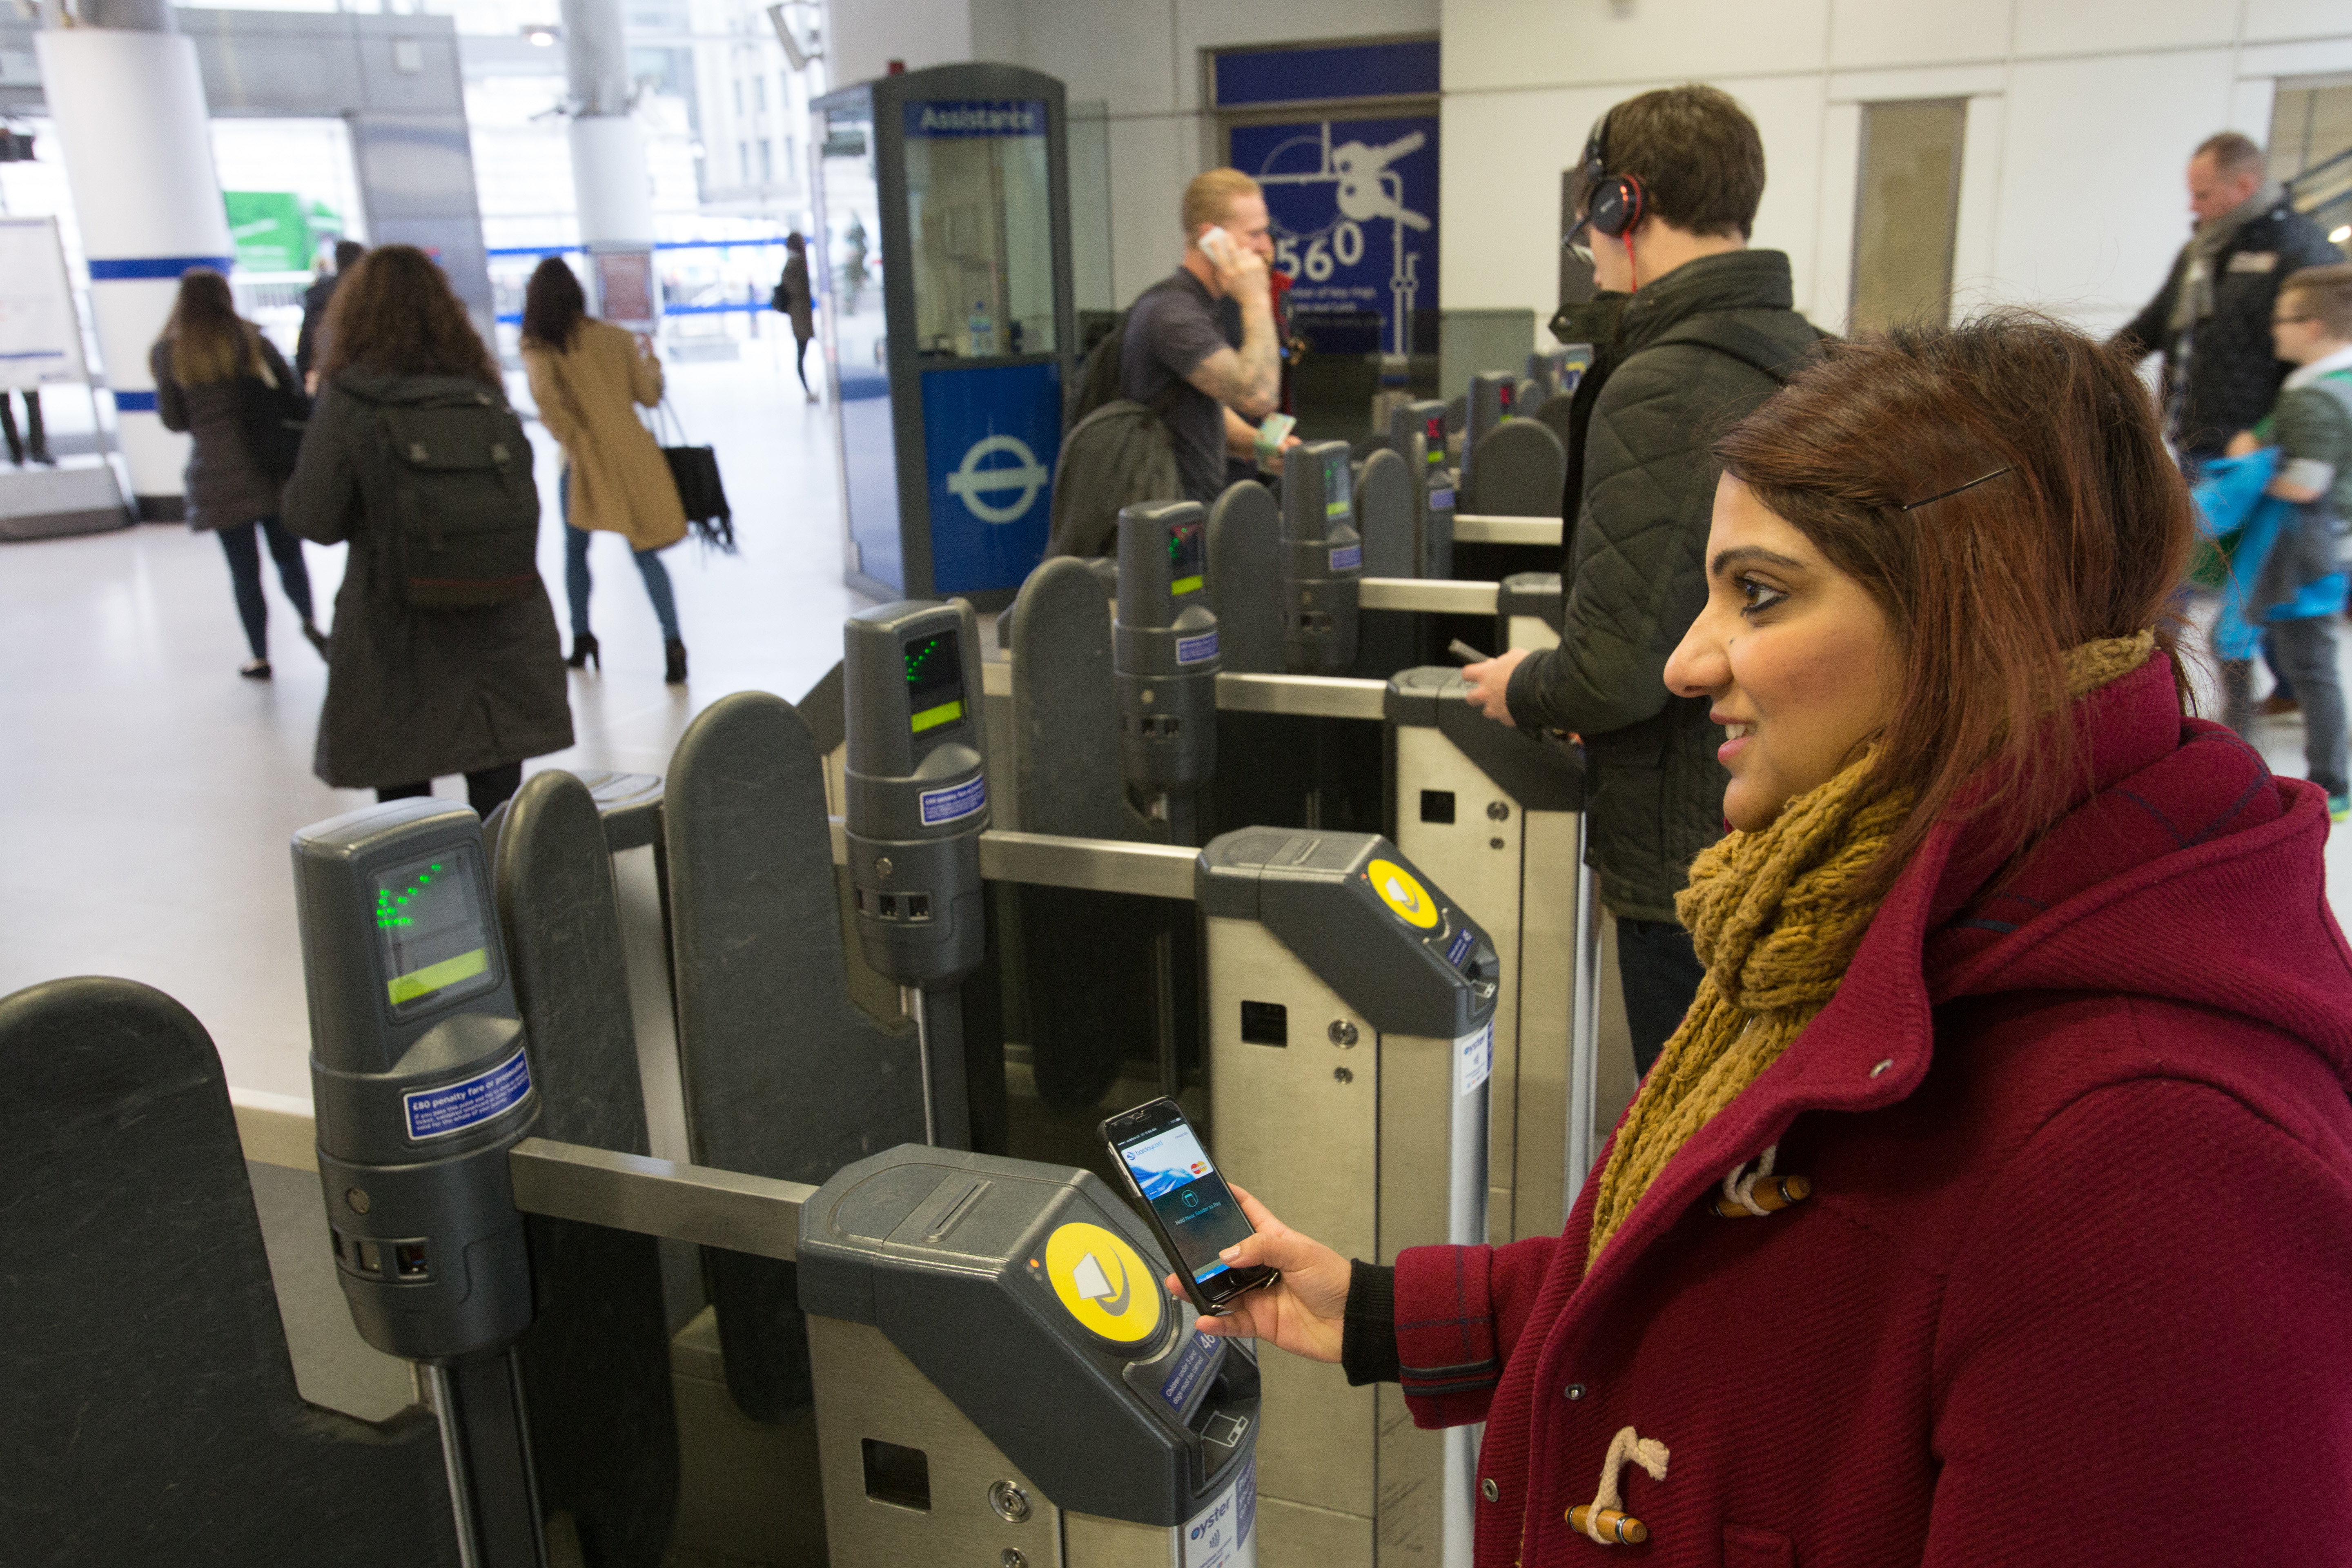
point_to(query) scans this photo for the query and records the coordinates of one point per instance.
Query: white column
(131, 115)
(609, 175)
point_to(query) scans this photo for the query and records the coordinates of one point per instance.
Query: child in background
(2297, 586)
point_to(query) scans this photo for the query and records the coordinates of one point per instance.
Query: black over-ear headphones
(1614, 204)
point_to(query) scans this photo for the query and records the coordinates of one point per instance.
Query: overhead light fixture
(798, 56)
(2341, 234)
(543, 38)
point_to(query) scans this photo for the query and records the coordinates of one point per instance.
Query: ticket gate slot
(1164, 657)
(421, 1083)
(1351, 1026)
(1322, 560)
(1002, 1378)
(917, 800)
(1495, 816)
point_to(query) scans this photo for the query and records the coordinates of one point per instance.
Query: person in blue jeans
(589, 378)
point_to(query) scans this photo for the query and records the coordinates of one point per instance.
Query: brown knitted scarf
(1775, 918)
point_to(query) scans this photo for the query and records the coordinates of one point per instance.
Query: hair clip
(1947, 495)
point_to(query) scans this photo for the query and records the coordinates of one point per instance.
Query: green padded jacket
(1635, 570)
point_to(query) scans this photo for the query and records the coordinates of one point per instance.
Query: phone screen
(1196, 1209)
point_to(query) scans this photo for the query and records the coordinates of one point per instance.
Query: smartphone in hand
(1219, 247)
(1186, 1202)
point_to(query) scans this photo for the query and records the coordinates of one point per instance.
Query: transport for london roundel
(1402, 893)
(1104, 1282)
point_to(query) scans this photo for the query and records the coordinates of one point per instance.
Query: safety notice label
(1192, 1365)
(1441, 501)
(1193, 651)
(1346, 557)
(1224, 1533)
(1474, 1059)
(954, 802)
(468, 1102)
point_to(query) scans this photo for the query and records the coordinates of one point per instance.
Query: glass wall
(2310, 146)
(1907, 211)
(980, 210)
(848, 267)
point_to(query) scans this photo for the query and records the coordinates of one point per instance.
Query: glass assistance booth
(944, 298)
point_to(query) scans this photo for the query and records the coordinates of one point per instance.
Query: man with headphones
(1690, 328)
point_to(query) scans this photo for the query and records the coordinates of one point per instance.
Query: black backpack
(1102, 378)
(461, 509)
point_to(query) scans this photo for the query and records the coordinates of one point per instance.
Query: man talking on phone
(1690, 329)
(1208, 333)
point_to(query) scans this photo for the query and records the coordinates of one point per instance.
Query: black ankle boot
(674, 654)
(584, 652)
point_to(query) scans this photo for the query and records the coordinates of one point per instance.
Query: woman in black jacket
(200, 364)
(413, 694)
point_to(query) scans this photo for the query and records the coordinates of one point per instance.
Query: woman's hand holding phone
(1303, 1312)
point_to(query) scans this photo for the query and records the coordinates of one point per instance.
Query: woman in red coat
(1993, 1203)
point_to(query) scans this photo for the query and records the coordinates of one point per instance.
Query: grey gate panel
(595, 1363)
(1520, 471)
(1553, 413)
(785, 1075)
(1388, 641)
(1245, 578)
(152, 1410)
(1084, 1015)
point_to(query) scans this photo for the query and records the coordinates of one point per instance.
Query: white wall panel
(1119, 53)
(1499, 241)
(2092, 205)
(1539, 43)
(1151, 158)
(1788, 111)
(1983, 154)
(863, 37)
(2321, 58)
(2112, 26)
(1875, 33)
(1825, 304)
(1916, 82)
(2269, 20)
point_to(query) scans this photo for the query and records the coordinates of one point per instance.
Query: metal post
(939, 1040)
(486, 1446)
(1584, 1031)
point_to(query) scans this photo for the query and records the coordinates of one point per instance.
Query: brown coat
(226, 488)
(586, 396)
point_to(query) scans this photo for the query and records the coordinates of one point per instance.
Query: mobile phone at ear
(1218, 247)
(1186, 1202)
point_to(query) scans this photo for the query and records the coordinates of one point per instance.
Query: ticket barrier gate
(1351, 1009)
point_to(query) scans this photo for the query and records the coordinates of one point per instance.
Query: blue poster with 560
(990, 439)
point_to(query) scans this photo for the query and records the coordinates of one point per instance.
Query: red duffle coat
(2074, 1284)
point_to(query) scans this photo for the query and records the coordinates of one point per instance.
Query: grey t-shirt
(1170, 330)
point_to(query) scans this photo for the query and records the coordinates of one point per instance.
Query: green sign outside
(277, 231)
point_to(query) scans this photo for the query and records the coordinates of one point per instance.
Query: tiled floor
(150, 793)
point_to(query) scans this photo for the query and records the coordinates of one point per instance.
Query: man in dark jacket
(1692, 329)
(309, 346)
(2211, 319)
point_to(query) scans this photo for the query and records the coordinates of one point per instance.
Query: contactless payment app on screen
(1193, 1202)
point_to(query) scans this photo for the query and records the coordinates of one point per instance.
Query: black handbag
(694, 471)
(274, 419)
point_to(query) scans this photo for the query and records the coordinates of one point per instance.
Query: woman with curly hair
(414, 693)
(1992, 1204)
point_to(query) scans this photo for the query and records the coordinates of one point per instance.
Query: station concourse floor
(150, 793)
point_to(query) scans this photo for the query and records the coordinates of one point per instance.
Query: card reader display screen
(1185, 554)
(1336, 498)
(1195, 1207)
(432, 937)
(934, 682)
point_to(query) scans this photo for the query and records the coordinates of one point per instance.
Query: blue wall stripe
(147, 268)
(134, 402)
(1399, 69)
